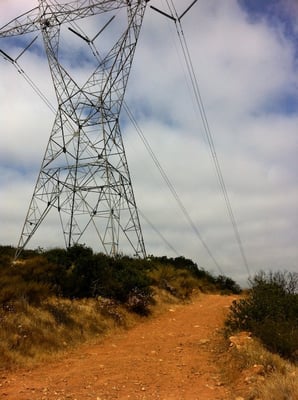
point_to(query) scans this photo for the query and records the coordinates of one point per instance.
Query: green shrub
(270, 312)
(82, 274)
(227, 285)
(127, 280)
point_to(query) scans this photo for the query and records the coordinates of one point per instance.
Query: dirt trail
(170, 357)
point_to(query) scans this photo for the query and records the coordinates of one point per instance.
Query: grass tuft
(278, 387)
(30, 334)
(255, 373)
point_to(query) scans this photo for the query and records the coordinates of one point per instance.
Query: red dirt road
(169, 357)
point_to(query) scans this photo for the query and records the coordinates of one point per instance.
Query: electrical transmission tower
(84, 175)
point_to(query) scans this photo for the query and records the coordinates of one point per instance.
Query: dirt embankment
(169, 357)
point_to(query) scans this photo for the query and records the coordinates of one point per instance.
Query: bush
(125, 276)
(82, 274)
(14, 286)
(177, 281)
(181, 277)
(270, 312)
(227, 285)
(139, 301)
(77, 272)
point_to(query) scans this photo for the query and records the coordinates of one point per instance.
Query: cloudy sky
(245, 57)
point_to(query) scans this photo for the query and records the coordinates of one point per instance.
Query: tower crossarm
(54, 14)
(25, 23)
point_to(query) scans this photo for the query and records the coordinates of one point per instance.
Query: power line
(171, 187)
(198, 98)
(158, 233)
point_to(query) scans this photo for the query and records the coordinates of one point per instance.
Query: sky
(245, 58)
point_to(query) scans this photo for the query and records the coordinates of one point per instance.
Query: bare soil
(169, 357)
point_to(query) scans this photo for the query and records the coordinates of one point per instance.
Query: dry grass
(252, 352)
(278, 386)
(178, 282)
(257, 374)
(31, 334)
(281, 376)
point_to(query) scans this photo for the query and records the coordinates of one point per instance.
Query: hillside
(77, 325)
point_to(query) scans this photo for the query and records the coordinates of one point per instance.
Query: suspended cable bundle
(200, 105)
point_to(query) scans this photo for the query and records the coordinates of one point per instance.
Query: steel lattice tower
(84, 174)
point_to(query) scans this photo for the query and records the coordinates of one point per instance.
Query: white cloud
(244, 69)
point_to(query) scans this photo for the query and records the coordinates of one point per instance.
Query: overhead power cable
(158, 233)
(198, 98)
(171, 186)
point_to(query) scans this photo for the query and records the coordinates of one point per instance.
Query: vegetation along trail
(171, 356)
